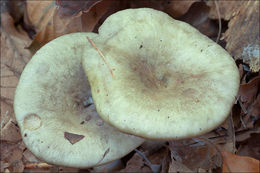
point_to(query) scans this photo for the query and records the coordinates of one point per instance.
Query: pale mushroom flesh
(56, 123)
(162, 78)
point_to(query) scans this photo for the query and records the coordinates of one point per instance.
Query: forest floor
(232, 147)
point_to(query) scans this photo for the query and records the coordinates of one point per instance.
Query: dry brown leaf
(13, 55)
(12, 155)
(73, 7)
(13, 59)
(250, 146)
(235, 163)
(178, 8)
(73, 138)
(29, 157)
(174, 8)
(255, 109)
(17, 166)
(198, 16)
(242, 36)
(135, 164)
(247, 92)
(15, 8)
(51, 22)
(195, 155)
(10, 132)
(38, 13)
(178, 167)
(138, 164)
(227, 9)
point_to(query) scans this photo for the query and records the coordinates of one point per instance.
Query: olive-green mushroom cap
(168, 80)
(52, 111)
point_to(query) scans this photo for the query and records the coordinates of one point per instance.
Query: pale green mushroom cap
(51, 111)
(169, 81)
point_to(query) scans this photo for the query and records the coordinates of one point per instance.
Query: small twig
(216, 148)
(219, 21)
(6, 100)
(242, 106)
(155, 168)
(231, 132)
(15, 71)
(38, 165)
(101, 54)
(7, 86)
(6, 76)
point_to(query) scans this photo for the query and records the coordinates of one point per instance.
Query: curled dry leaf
(70, 8)
(29, 157)
(13, 59)
(194, 155)
(10, 132)
(255, 109)
(73, 138)
(176, 166)
(135, 164)
(235, 163)
(51, 22)
(178, 8)
(13, 156)
(138, 164)
(198, 16)
(247, 92)
(242, 36)
(250, 146)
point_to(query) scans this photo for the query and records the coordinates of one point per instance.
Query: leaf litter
(234, 146)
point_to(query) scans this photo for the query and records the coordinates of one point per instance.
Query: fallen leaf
(51, 22)
(235, 163)
(250, 146)
(10, 132)
(242, 36)
(72, 137)
(176, 166)
(3, 165)
(73, 7)
(135, 164)
(255, 109)
(178, 8)
(39, 13)
(227, 9)
(174, 8)
(13, 59)
(17, 166)
(198, 16)
(195, 155)
(15, 8)
(29, 157)
(247, 92)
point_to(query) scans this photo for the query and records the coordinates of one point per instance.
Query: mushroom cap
(169, 81)
(51, 111)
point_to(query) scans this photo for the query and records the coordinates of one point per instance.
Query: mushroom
(50, 107)
(169, 81)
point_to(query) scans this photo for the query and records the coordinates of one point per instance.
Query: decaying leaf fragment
(73, 138)
(255, 109)
(248, 92)
(194, 155)
(235, 163)
(242, 36)
(51, 21)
